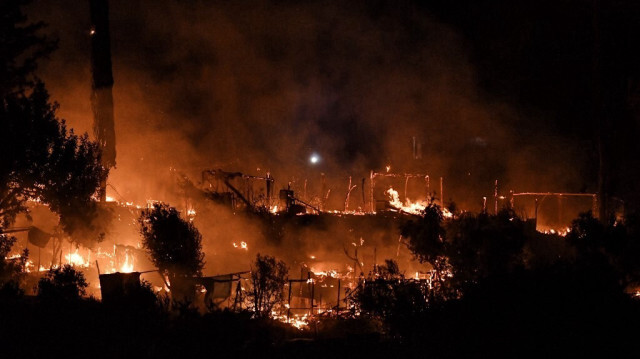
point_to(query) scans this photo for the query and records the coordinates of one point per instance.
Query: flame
(299, 322)
(411, 207)
(562, 232)
(295, 320)
(75, 259)
(243, 245)
(127, 266)
(328, 273)
(388, 168)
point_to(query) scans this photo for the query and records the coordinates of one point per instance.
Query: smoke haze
(256, 86)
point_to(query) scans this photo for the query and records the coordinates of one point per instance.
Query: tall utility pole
(101, 87)
(598, 113)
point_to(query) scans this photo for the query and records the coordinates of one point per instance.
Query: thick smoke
(258, 86)
(262, 85)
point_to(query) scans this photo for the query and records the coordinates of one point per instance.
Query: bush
(268, 277)
(64, 283)
(175, 245)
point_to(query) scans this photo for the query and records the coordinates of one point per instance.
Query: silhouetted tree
(616, 243)
(482, 246)
(426, 240)
(467, 248)
(174, 244)
(21, 47)
(65, 283)
(268, 277)
(11, 270)
(41, 159)
(395, 300)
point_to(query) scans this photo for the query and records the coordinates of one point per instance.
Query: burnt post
(428, 184)
(371, 186)
(323, 179)
(442, 191)
(268, 182)
(101, 87)
(363, 198)
(495, 198)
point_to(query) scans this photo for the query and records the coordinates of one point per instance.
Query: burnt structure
(116, 286)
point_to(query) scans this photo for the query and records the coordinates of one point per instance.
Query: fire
(243, 245)
(31, 267)
(562, 232)
(75, 259)
(409, 206)
(127, 266)
(297, 321)
(328, 273)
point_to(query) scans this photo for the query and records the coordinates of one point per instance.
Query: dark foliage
(21, 47)
(174, 244)
(618, 244)
(41, 159)
(484, 246)
(467, 248)
(426, 235)
(392, 298)
(573, 306)
(268, 277)
(11, 270)
(62, 284)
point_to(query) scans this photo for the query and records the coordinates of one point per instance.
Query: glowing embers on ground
(562, 232)
(409, 206)
(299, 321)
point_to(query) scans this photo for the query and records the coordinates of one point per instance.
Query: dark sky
(490, 89)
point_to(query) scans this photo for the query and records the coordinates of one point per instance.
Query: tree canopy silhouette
(469, 247)
(21, 47)
(175, 245)
(268, 277)
(41, 159)
(65, 283)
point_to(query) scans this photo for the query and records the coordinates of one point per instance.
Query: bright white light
(314, 159)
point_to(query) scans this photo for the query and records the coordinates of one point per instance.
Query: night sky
(515, 91)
